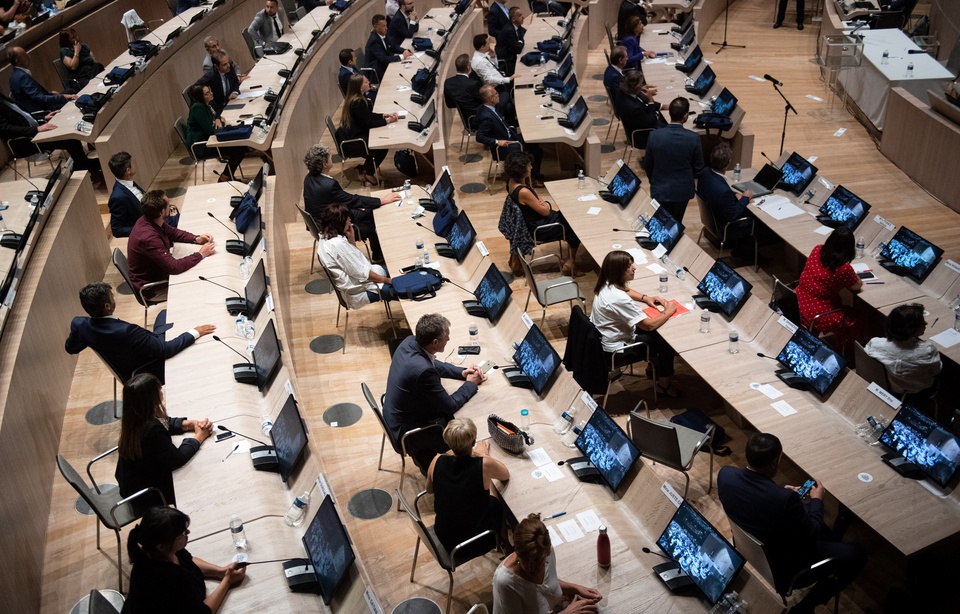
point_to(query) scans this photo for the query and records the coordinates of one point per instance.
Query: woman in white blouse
(352, 272)
(912, 363)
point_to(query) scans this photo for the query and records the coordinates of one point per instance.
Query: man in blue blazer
(795, 535)
(125, 198)
(348, 68)
(494, 132)
(713, 188)
(222, 81)
(403, 25)
(415, 397)
(126, 347)
(498, 17)
(673, 160)
(24, 89)
(510, 40)
(613, 75)
(379, 52)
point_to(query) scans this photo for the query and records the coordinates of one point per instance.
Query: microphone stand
(786, 114)
(725, 44)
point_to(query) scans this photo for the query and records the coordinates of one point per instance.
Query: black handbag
(406, 162)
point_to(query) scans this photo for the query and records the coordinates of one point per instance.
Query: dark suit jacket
(378, 56)
(30, 95)
(158, 461)
(724, 202)
(491, 129)
(399, 30)
(126, 346)
(510, 45)
(344, 75)
(673, 160)
(415, 397)
(362, 119)
(463, 91)
(637, 112)
(124, 210)
(612, 78)
(634, 51)
(774, 515)
(497, 19)
(215, 82)
(320, 191)
(628, 8)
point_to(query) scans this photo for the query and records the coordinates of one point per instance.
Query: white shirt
(486, 69)
(616, 316)
(912, 365)
(130, 186)
(514, 595)
(350, 269)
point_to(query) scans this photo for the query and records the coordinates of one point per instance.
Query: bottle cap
(603, 529)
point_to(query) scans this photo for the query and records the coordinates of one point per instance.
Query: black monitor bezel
(289, 413)
(634, 450)
(461, 220)
(254, 306)
(661, 211)
(730, 95)
(694, 53)
(575, 125)
(798, 190)
(802, 332)
(701, 287)
(713, 79)
(624, 168)
(937, 250)
(265, 376)
(492, 316)
(327, 591)
(532, 332)
(256, 226)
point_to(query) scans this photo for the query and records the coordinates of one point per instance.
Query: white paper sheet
(594, 211)
(947, 338)
(589, 520)
(638, 256)
(779, 208)
(656, 268)
(551, 472)
(823, 230)
(784, 408)
(538, 456)
(570, 530)
(555, 539)
(251, 94)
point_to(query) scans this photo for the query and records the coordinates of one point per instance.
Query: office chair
(669, 444)
(560, 289)
(729, 233)
(153, 293)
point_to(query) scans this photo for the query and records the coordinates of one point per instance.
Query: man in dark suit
(125, 198)
(637, 109)
(498, 17)
(629, 8)
(782, 13)
(348, 68)
(794, 535)
(613, 75)
(510, 40)
(673, 160)
(267, 25)
(222, 81)
(494, 132)
(379, 52)
(24, 89)
(415, 397)
(15, 123)
(127, 347)
(463, 89)
(320, 190)
(403, 25)
(713, 188)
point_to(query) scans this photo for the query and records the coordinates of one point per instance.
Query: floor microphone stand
(725, 44)
(786, 114)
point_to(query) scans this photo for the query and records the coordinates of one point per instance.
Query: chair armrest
(416, 502)
(813, 321)
(139, 493)
(744, 222)
(95, 459)
(613, 355)
(147, 289)
(193, 150)
(563, 231)
(477, 537)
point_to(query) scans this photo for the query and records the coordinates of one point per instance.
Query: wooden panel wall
(35, 382)
(945, 25)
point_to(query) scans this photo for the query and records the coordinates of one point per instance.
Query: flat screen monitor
(253, 233)
(608, 448)
(625, 185)
(686, 39)
(921, 441)
(461, 236)
(289, 437)
(493, 292)
(173, 35)
(578, 112)
(328, 548)
(537, 358)
(569, 88)
(693, 60)
(564, 50)
(845, 207)
(51, 182)
(797, 174)
(197, 17)
(427, 117)
(725, 287)
(571, 23)
(811, 359)
(442, 196)
(256, 185)
(701, 551)
(725, 103)
(912, 252)
(565, 67)
(256, 290)
(664, 229)
(462, 6)
(266, 356)
(705, 81)
(686, 24)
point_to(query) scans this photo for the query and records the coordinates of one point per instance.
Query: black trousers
(675, 208)
(663, 353)
(850, 558)
(782, 11)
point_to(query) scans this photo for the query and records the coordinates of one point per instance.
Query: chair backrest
(467, 120)
(584, 356)
(753, 550)
(336, 290)
(100, 604)
(289, 6)
(110, 367)
(610, 39)
(99, 503)
(657, 441)
(251, 44)
(424, 535)
(186, 98)
(606, 56)
(172, 5)
(360, 57)
(332, 129)
(310, 222)
(531, 280)
(120, 261)
(181, 127)
(869, 368)
(379, 414)
(65, 78)
(706, 216)
(784, 299)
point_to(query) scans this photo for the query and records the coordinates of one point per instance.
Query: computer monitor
(328, 548)
(686, 39)
(625, 185)
(266, 356)
(797, 174)
(461, 236)
(256, 290)
(173, 35)
(701, 551)
(563, 52)
(569, 89)
(812, 360)
(462, 6)
(725, 103)
(578, 112)
(289, 437)
(705, 81)
(692, 60)
(256, 186)
(197, 17)
(664, 229)
(609, 449)
(537, 358)
(911, 252)
(251, 237)
(725, 288)
(565, 67)
(493, 292)
(845, 207)
(923, 442)
(442, 196)
(686, 24)
(430, 114)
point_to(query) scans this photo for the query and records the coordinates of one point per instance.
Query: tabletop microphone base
(245, 372)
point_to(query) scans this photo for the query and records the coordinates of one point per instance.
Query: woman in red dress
(826, 273)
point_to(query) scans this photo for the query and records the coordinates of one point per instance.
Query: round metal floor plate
(342, 414)
(318, 286)
(81, 506)
(83, 606)
(472, 188)
(597, 77)
(369, 504)
(470, 158)
(607, 149)
(102, 413)
(326, 344)
(124, 289)
(417, 605)
(597, 98)
(600, 121)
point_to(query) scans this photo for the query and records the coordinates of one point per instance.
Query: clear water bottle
(543, 59)
(734, 341)
(600, 180)
(885, 58)
(879, 249)
(738, 607)
(241, 324)
(34, 201)
(426, 256)
(664, 278)
(643, 220)
(736, 173)
(419, 244)
(721, 606)
(266, 424)
(474, 331)
(298, 510)
(581, 180)
(418, 261)
(525, 419)
(570, 438)
(954, 305)
(249, 330)
(236, 532)
(704, 321)
(245, 268)
(406, 189)
(861, 246)
(956, 320)
(910, 70)
(3, 226)
(263, 130)
(564, 421)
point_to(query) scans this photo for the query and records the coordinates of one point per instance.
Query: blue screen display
(537, 358)
(812, 360)
(625, 185)
(797, 174)
(845, 207)
(922, 441)
(725, 287)
(608, 448)
(493, 293)
(705, 80)
(725, 103)
(693, 60)
(462, 235)
(664, 229)
(912, 252)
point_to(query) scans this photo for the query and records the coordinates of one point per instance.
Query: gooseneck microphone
(544, 20)
(447, 280)
(235, 304)
(772, 80)
(762, 355)
(430, 229)
(774, 164)
(28, 194)
(619, 230)
(691, 274)
(407, 110)
(223, 428)
(244, 372)
(216, 338)
(202, 278)
(224, 225)
(647, 550)
(219, 174)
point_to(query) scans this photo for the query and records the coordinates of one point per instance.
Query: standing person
(77, 58)
(498, 17)
(356, 120)
(826, 273)
(403, 24)
(379, 51)
(510, 40)
(148, 456)
(352, 273)
(673, 160)
(782, 12)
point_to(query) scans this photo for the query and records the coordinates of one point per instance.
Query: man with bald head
(26, 91)
(494, 132)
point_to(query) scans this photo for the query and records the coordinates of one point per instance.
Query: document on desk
(823, 230)
(551, 472)
(594, 211)
(780, 208)
(947, 338)
(539, 457)
(784, 408)
(251, 94)
(570, 530)
(638, 256)
(589, 520)
(656, 268)
(555, 539)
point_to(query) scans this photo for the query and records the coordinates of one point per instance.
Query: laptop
(764, 183)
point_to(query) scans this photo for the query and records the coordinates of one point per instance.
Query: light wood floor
(72, 563)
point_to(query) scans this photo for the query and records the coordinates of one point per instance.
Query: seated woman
(165, 577)
(618, 315)
(912, 363)
(77, 58)
(526, 581)
(537, 212)
(352, 273)
(826, 273)
(635, 53)
(465, 499)
(356, 120)
(202, 122)
(147, 454)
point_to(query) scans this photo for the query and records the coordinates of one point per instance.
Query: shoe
(777, 25)
(671, 393)
(799, 26)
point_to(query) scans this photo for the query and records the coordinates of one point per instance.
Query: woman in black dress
(147, 454)
(165, 577)
(462, 483)
(356, 120)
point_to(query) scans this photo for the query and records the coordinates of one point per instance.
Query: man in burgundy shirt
(148, 249)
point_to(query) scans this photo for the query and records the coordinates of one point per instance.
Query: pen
(231, 452)
(875, 283)
(557, 515)
(935, 322)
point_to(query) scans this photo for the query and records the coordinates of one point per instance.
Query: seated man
(637, 109)
(267, 25)
(484, 65)
(125, 198)
(212, 45)
(127, 347)
(463, 89)
(415, 397)
(613, 75)
(510, 40)
(148, 249)
(494, 132)
(403, 24)
(15, 123)
(222, 81)
(712, 187)
(24, 89)
(348, 68)
(320, 190)
(794, 534)
(379, 51)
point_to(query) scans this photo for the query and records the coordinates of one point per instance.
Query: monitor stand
(706, 303)
(671, 575)
(584, 469)
(516, 377)
(791, 379)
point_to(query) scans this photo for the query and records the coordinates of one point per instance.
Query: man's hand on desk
(205, 329)
(579, 605)
(474, 374)
(233, 95)
(46, 128)
(392, 197)
(407, 53)
(70, 96)
(748, 194)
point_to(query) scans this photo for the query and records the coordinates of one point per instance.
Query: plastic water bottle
(419, 244)
(603, 547)
(250, 332)
(241, 324)
(738, 607)
(861, 246)
(736, 173)
(3, 226)
(600, 180)
(570, 439)
(956, 321)
(704, 321)
(910, 70)
(581, 180)
(298, 510)
(565, 421)
(524, 419)
(266, 424)
(474, 331)
(663, 281)
(245, 268)
(879, 249)
(885, 58)
(263, 130)
(734, 341)
(643, 221)
(236, 532)
(406, 189)
(543, 59)
(426, 256)
(723, 606)
(34, 201)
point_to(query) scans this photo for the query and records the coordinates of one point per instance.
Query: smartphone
(468, 349)
(222, 435)
(806, 488)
